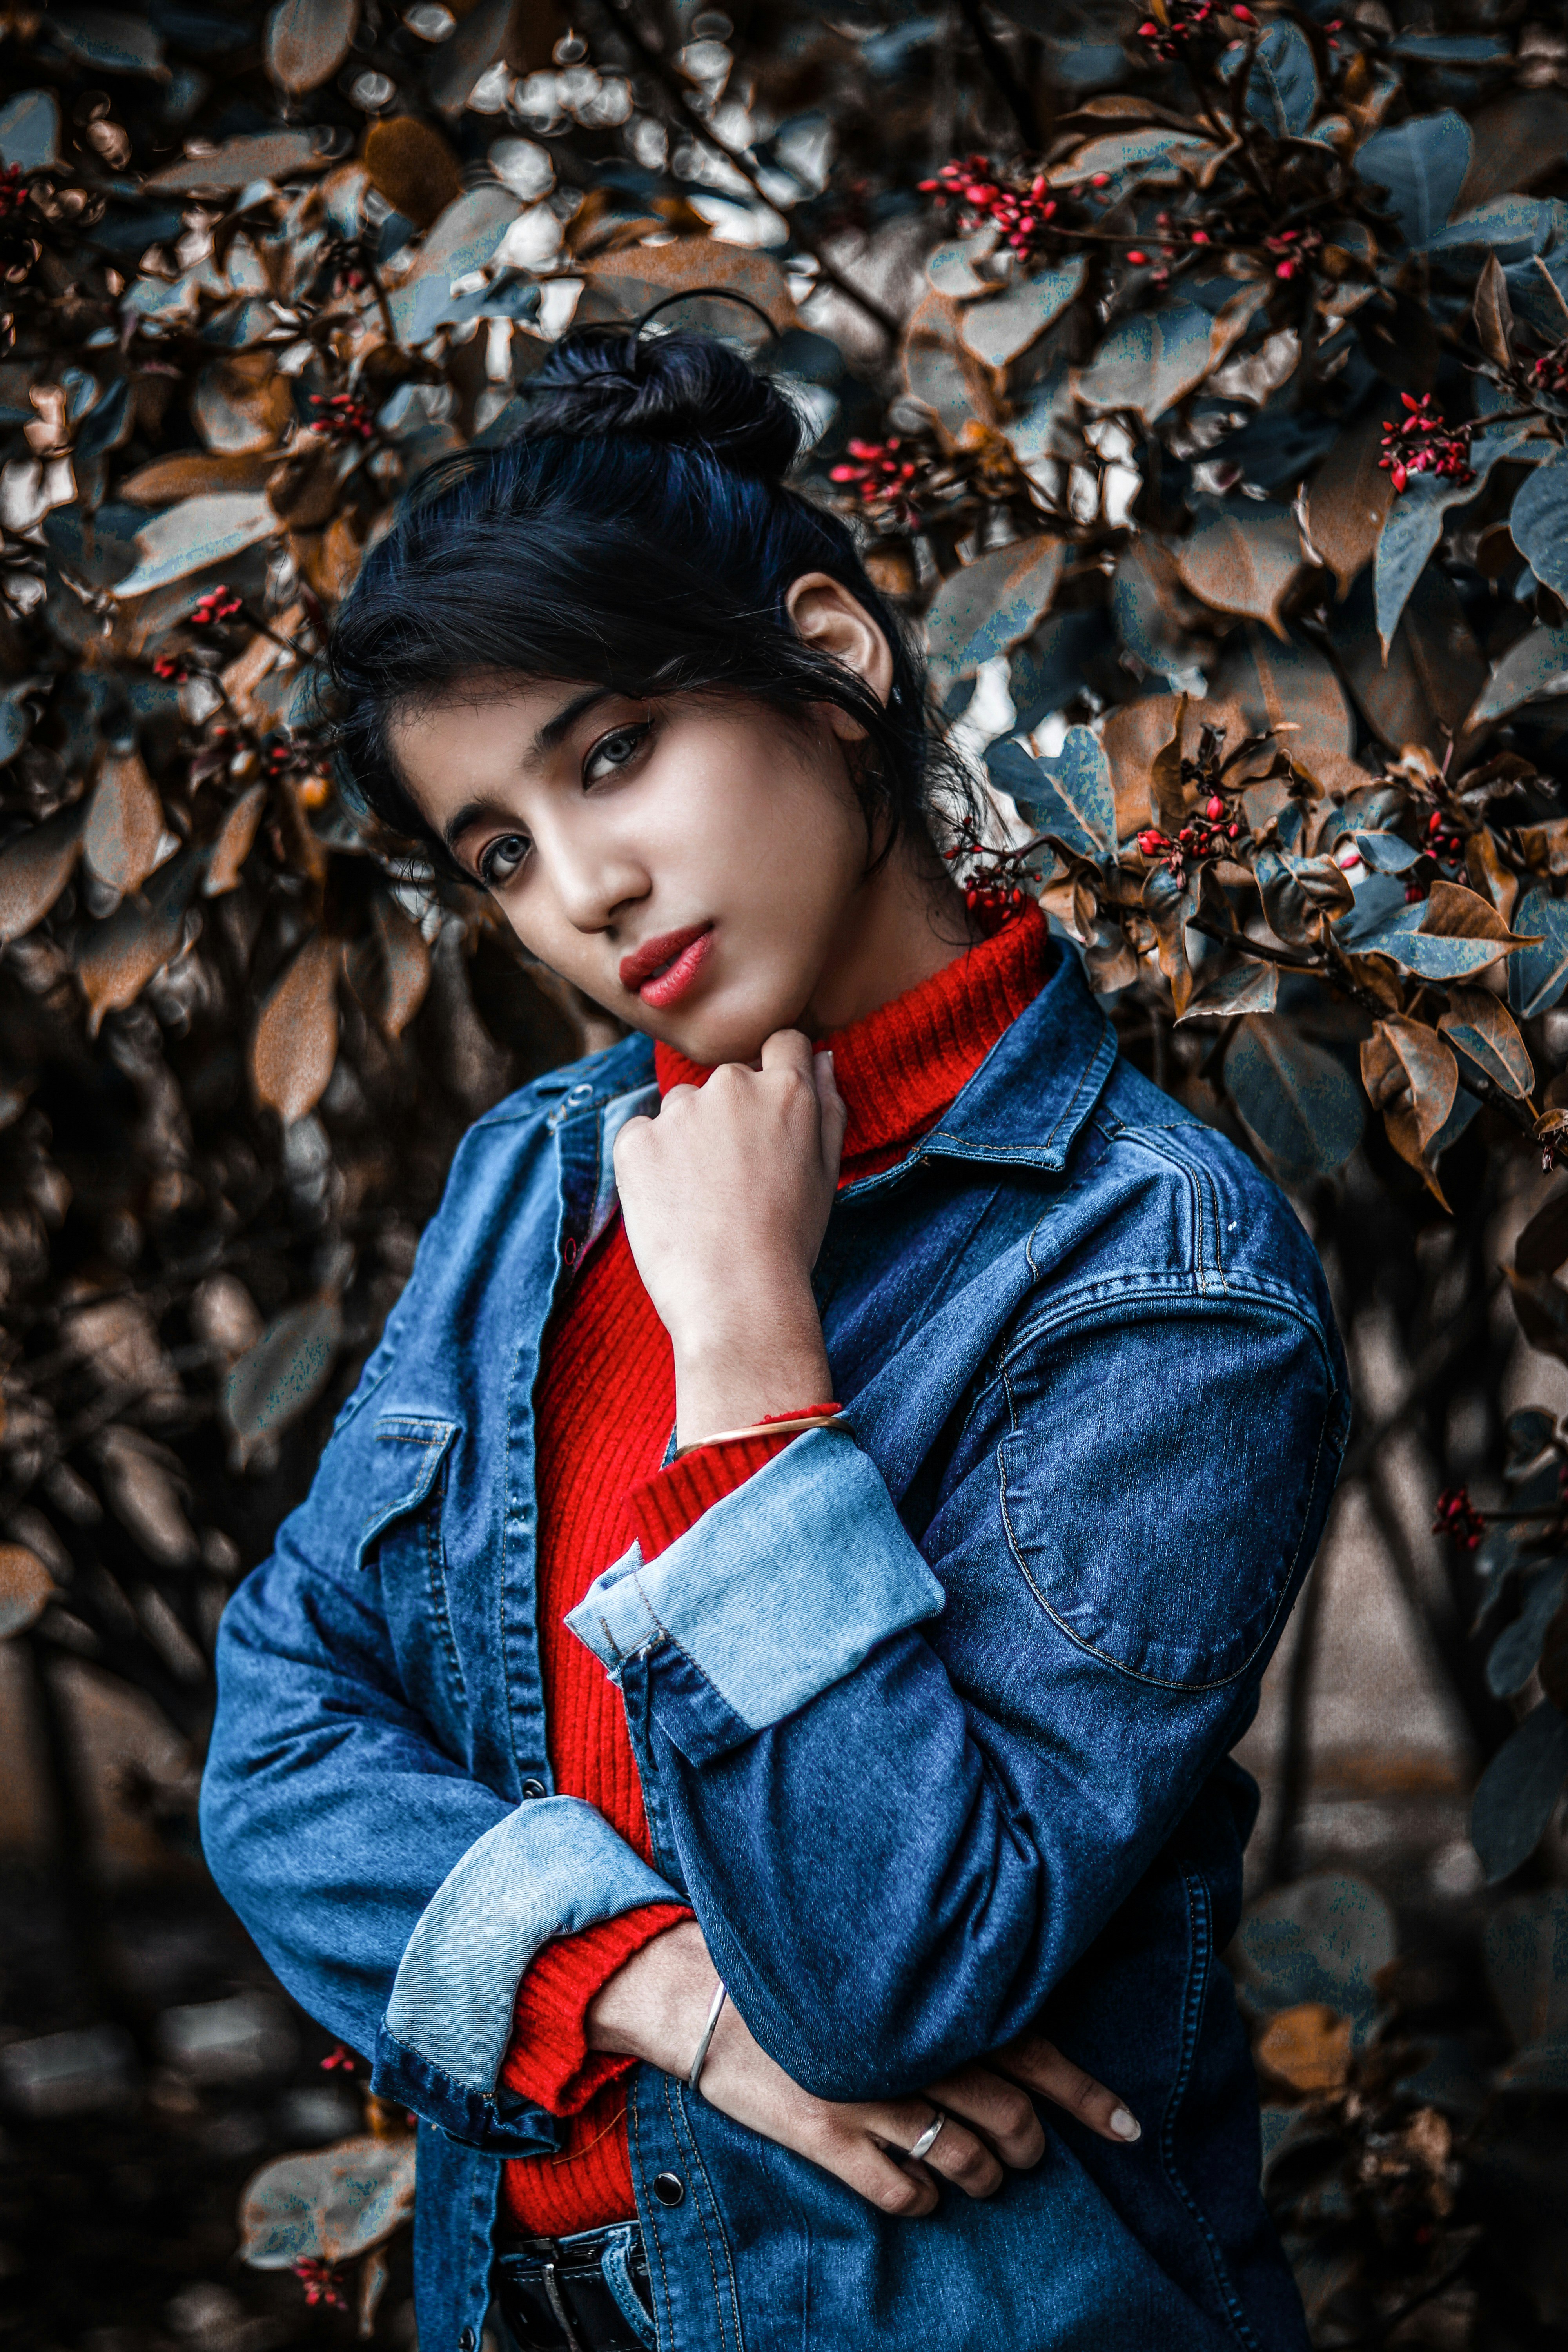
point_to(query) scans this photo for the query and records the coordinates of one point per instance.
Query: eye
(615, 750)
(500, 859)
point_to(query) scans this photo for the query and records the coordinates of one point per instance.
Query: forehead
(484, 728)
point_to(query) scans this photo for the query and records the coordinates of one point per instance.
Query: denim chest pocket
(401, 1535)
(1163, 1538)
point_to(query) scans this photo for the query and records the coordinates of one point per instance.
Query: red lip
(641, 966)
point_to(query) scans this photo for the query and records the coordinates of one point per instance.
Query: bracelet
(779, 1425)
(694, 2077)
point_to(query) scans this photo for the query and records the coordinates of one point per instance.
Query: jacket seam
(685, 2140)
(1072, 1312)
(1200, 1954)
(636, 2120)
(1200, 1187)
(1119, 1665)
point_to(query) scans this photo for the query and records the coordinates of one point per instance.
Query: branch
(999, 65)
(677, 99)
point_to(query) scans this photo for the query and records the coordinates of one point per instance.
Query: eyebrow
(547, 738)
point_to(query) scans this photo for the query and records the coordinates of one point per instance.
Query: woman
(762, 1647)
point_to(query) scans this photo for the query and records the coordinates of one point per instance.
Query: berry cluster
(1292, 246)
(13, 191)
(171, 668)
(995, 881)
(219, 605)
(320, 2282)
(337, 2056)
(879, 473)
(344, 416)
(303, 762)
(1021, 215)
(1550, 371)
(1211, 834)
(1457, 1517)
(1424, 442)
(1164, 41)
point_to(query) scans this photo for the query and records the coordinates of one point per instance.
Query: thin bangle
(781, 1427)
(695, 2078)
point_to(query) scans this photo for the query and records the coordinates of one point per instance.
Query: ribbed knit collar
(901, 1067)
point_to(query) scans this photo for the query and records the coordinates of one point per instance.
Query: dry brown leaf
(193, 473)
(1411, 1077)
(124, 824)
(232, 847)
(35, 870)
(1237, 563)
(1348, 501)
(411, 165)
(1483, 1028)
(1306, 2047)
(25, 1589)
(295, 1046)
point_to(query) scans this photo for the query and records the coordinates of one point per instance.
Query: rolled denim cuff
(777, 1592)
(549, 1869)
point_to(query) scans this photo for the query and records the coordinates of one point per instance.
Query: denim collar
(1023, 1107)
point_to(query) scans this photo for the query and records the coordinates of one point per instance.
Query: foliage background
(1200, 381)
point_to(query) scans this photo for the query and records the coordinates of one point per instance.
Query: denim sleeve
(398, 1897)
(907, 1785)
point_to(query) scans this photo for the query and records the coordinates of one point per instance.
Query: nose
(593, 877)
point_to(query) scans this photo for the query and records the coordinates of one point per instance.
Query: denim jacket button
(668, 2187)
(534, 1789)
(467, 2340)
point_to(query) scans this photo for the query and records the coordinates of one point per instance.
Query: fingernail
(1124, 2126)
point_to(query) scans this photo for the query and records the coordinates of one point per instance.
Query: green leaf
(1513, 228)
(1068, 798)
(998, 331)
(1540, 522)
(1526, 1948)
(1479, 1026)
(107, 39)
(1282, 89)
(30, 131)
(1427, 958)
(1325, 1939)
(328, 2205)
(1422, 165)
(1151, 359)
(980, 610)
(1516, 1652)
(258, 155)
(282, 1375)
(1538, 976)
(1537, 665)
(1385, 853)
(1231, 985)
(307, 41)
(197, 532)
(950, 269)
(1296, 1100)
(1519, 1792)
(1414, 524)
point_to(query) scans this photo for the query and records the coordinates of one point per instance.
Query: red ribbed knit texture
(603, 1410)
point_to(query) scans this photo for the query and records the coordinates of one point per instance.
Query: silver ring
(928, 2139)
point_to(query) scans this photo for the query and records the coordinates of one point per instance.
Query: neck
(907, 922)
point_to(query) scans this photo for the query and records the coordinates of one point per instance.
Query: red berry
(1213, 809)
(1138, 259)
(1101, 180)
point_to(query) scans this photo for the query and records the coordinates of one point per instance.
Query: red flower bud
(1213, 809)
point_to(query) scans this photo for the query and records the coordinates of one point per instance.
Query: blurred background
(1105, 324)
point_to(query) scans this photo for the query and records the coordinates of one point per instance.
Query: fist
(726, 1197)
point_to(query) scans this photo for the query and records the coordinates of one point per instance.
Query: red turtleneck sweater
(603, 1410)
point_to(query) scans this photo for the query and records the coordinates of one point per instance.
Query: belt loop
(558, 2306)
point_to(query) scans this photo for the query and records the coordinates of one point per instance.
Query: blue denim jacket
(931, 1719)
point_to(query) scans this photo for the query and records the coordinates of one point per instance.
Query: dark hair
(637, 533)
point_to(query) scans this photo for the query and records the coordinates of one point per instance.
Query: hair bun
(685, 389)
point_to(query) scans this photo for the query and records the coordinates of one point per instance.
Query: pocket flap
(406, 1461)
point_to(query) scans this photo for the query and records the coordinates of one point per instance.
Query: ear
(828, 616)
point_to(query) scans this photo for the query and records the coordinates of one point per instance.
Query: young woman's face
(695, 865)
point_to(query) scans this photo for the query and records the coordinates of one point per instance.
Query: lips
(663, 968)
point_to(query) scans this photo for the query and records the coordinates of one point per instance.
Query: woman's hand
(655, 2007)
(726, 1195)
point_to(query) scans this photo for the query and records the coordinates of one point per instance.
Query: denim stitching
(680, 2130)
(1200, 1953)
(1134, 1674)
(651, 2235)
